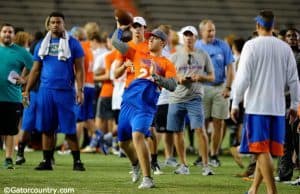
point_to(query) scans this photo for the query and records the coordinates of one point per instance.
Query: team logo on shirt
(53, 49)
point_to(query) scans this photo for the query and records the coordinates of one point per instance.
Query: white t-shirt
(266, 66)
(119, 86)
(99, 62)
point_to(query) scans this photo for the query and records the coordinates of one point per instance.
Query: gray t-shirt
(188, 64)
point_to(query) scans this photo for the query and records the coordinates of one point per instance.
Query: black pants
(291, 144)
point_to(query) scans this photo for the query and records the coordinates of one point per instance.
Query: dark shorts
(160, 119)
(104, 108)
(10, 114)
(230, 122)
(116, 115)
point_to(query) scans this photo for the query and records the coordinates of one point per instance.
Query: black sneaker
(156, 169)
(44, 166)
(78, 166)
(214, 161)
(8, 164)
(198, 161)
(20, 160)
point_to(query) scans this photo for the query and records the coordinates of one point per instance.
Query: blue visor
(263, 23)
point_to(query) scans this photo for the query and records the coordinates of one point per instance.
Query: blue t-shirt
(220, 55)
(142, 94)
(58, 74)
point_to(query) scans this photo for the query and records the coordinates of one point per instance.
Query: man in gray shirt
(193, 67)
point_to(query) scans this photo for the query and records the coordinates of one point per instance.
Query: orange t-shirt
(142, 47)
(107, 86)
(143, 62)
(88, 62)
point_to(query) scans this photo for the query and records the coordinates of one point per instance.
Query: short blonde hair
(91, 28)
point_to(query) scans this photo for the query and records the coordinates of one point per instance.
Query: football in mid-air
(123, 17)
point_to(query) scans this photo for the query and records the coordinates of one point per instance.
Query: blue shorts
(177, 112)
(86, 110)
(263, 134)
(133, 120)
(56, 108)
(29, 114)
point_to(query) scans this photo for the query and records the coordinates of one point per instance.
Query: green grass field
(109, 174)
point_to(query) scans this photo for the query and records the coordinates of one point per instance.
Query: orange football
(123, 17)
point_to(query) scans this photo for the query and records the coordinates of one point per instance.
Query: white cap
(139, 20)
(191, 29)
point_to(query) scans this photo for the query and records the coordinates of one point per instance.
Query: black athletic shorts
(10, 114)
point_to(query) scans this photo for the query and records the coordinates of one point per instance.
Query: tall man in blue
(12, 61)
(59, 60)
(151, 70)
(267, 65)
(215, 99)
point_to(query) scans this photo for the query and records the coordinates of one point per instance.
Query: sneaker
(198, 162)
(206, 171)
(214, 161)
(44, 166)
(171, 162)
(135, 173)
(147, 183)
(8, 164)
(156, 169)
(279, 179)
(88, 149)
(183, 169)
(20, 160)
(64, 152)
(78, 166)
(296, 182)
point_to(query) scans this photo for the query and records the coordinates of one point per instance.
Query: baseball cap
(160, 34)
(191, 29)
(139, 20)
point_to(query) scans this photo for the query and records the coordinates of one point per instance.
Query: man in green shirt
(13, 61)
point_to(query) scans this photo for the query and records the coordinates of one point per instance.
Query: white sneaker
(183, 169)
(135, 173)
(88, 149)
(171, 162)
(206, 171)
(147, 183)
(157, 171)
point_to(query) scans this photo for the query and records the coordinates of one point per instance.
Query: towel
(63, 47)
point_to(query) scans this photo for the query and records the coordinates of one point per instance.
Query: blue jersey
(58, 74)
(220, 55)
(142, 94)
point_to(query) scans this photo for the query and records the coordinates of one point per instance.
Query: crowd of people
(127, 91)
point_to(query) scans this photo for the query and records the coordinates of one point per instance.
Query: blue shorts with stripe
(263, 134)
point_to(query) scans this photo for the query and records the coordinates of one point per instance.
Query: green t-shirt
(13, 58)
